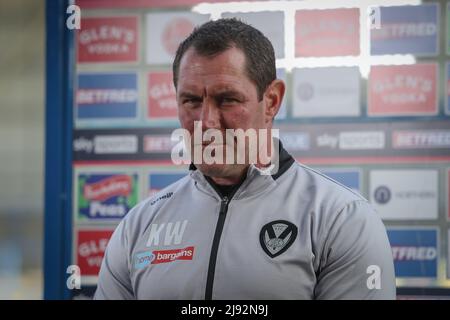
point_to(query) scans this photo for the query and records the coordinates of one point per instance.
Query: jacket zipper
(213, 257)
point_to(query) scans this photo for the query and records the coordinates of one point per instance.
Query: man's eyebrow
(187, 94)
(218, 93)
(228, 92)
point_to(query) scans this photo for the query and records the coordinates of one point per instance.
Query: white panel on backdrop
(325, 92)
(274, 30)
(166, 30)
(405, 194)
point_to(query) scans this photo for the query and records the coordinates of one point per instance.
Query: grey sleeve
(114, 278)
(356, 260)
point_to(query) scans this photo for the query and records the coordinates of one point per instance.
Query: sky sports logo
(146, 258)
(415, 252)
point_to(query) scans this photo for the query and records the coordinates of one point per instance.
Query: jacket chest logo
(277, 236)
(166, 233)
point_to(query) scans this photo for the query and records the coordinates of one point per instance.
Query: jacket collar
(256, 180)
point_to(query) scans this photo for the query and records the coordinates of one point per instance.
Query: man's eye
(229, 100)
(191, 102)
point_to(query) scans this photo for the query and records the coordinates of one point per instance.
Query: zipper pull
(223, 204)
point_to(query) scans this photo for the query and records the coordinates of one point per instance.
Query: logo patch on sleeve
(277, 236)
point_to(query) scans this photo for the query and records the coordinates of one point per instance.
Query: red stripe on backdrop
(94, 4)
(312, 160)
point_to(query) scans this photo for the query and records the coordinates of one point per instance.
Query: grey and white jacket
(296, 234)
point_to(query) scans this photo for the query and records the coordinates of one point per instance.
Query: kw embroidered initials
(173, 233)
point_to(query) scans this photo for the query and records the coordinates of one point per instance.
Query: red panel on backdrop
(162, 101)
(91, 245)
(91, 4)
(108, 39)
(403, 90)
(326, 33)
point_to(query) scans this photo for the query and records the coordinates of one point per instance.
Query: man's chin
(220, 170)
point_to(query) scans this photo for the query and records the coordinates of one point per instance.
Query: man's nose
(210, 115)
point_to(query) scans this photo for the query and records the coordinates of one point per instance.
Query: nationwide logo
(146, 258)
(277, 236)
(382, 194)
(114, 186)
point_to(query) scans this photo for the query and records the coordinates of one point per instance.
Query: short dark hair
(215, 37)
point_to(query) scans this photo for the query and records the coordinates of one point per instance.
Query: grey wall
(22, 45)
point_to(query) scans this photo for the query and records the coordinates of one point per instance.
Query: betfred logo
(165, 256)
(107, 96)
(158, 143)
(108, 39)
(114, 186)
(409, 253)
(415, 251)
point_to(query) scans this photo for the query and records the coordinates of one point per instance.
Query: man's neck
(231, 180)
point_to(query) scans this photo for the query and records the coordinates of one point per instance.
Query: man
(236, 230)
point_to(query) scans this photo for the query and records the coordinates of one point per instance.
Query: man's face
(216, 91)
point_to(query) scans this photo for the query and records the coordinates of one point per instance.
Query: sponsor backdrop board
(326, 92)
(415, 251)
(405, 194)
(108, 40)
(403, 90)
(165, 31)
(274, 30)
(383, 132)
(107, 96)
(406, 30)
(90, 246)
(325, 33)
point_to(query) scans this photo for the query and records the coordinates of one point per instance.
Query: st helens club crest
(277, 236)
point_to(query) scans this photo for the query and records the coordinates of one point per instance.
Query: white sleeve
(356, 261)
(114, 281)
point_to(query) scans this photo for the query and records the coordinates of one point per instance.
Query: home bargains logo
(403, 90)
(91, 246)
(415, 252)
(107, 96)
(144, 259)
(108, 39)
(106, 196)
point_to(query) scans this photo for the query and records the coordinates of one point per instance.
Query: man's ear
(273, 97)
